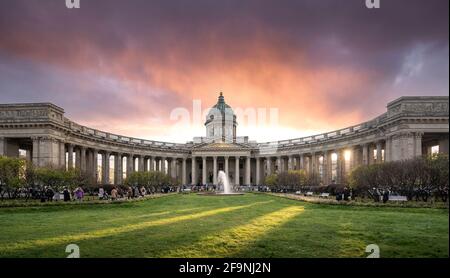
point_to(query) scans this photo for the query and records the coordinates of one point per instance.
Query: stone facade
(412, 126)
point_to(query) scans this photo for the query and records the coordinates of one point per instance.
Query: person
(66, 194)
(114, 194)
(56, 196)
(346, 194)
(143, 191)
(42, 194)
(137, 194)
(101, 193)
(49, 193)
(385, 196)
(79, 194)
(129, 192)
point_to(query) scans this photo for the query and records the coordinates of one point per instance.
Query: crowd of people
(48, 194)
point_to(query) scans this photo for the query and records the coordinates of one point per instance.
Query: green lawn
(252, 225)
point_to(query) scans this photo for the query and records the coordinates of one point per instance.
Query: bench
(398, 198)
(298, 192)
(309, 193)
(186, 190)
(324, 195)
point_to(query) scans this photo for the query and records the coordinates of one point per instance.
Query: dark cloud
(164, 52)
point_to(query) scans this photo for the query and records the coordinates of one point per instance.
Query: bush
(156, 180)
(288, 181)
(418, 178)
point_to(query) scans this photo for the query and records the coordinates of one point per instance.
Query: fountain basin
(219, 194)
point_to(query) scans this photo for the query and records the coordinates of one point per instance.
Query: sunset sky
(124, 66)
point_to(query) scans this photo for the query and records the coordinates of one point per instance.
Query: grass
(251, 225)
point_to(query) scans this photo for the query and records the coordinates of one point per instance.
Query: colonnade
(329, 164)
(108, 167)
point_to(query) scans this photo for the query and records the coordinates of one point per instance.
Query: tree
(57, 178)
(12, 175)
(271, 180)
(417, 178)
(150, 179)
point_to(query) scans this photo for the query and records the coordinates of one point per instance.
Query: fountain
(222, 182)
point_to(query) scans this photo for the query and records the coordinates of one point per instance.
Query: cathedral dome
(221, 122)
(220, 109)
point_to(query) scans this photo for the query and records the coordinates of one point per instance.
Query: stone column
(314, 163)
(141, 164)
(35, 156)
(214, 169)
(338, 166)
(94, 165)
(130, 162)
(290, 163)
(388, 149)
(194, 174)
(379, 152)
(105, 169)
(236, 174)
(2, 146)
(365, 154)
(278, 164)
(157, 164)
(118, 169)
(183, 172)
(302, 162)
(226, 166)
(352, 158)
(247, 171)
(163, 165)
(258, 169)
(269, 166)
(325, 165)
(62, 155)
(77, 158)
(418, 144)
(83, 159)
(204, 170)
(173, 168)
(152, 164)
(89, 162)
(310, 164)
(70, 156)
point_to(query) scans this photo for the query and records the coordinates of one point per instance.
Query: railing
(348, 131)
(119, 138)
(266, 146)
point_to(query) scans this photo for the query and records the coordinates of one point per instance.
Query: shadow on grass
(323, 232)
(44, 245)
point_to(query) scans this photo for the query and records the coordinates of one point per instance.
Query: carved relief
(395, 110)
(423, 108)
(426, 108)
(24, 114)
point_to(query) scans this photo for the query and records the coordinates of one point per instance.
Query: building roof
(221, 146)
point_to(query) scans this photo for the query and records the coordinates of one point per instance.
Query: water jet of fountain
(223, 180)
